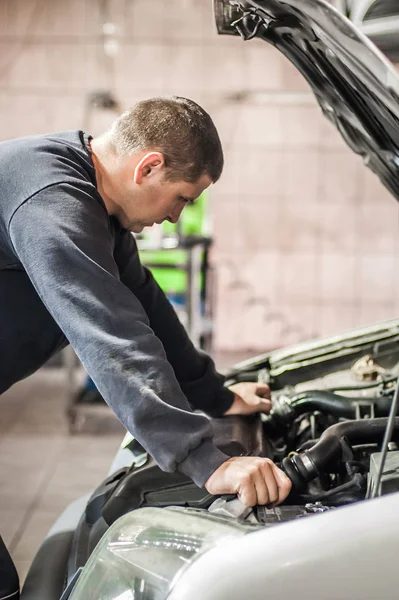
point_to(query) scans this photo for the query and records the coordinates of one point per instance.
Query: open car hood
(315, 358)
(355, 85)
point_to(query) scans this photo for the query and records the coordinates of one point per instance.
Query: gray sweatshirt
(86, 270)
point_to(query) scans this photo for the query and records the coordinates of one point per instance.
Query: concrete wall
(306, 238)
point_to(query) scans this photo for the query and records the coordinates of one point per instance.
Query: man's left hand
(250, 398)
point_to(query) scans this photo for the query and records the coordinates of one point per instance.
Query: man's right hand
(254, 480)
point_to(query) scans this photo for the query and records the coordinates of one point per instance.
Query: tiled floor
(42, 467)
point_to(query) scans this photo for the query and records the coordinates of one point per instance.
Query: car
(378, 19)
(149, 535)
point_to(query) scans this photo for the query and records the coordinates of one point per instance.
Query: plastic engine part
(390, 475)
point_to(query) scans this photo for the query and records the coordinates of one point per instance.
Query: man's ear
(149, 164)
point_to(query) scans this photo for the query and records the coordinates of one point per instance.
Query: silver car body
(346, 554)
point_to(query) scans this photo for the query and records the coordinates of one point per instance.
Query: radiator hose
(339, 406)
(305, 466)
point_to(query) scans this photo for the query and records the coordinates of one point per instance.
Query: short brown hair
(178, 128)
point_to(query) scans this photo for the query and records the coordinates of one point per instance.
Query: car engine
(327, 433)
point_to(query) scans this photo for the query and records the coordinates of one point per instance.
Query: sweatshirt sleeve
(63, 238)
(194, 369)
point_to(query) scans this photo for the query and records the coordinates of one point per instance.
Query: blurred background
(305, 238)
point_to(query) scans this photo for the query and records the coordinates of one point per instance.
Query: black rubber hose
(305, 466)
(337, 405)
(329, 447)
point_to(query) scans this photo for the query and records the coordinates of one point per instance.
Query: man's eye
(188, 201)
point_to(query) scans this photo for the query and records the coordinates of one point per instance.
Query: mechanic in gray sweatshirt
(70, 273)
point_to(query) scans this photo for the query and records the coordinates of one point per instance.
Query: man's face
(152, 198)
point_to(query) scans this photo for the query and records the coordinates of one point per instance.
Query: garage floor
(42, 467)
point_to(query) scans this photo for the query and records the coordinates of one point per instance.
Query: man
(70, 272)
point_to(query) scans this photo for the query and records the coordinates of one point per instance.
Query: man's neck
(101, 161)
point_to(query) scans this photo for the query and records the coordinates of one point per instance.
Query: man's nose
(175, 214)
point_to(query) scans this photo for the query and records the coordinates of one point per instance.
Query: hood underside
(315, 358)
(355, 85)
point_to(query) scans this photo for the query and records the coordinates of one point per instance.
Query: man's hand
(250, 398)
(254, 480)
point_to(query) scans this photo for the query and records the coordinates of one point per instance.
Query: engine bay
(327, 433)
(331, 401)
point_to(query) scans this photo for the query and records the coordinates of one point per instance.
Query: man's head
(158, 156)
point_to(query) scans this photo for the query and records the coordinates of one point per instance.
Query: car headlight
(226, 12)
(142, 555)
